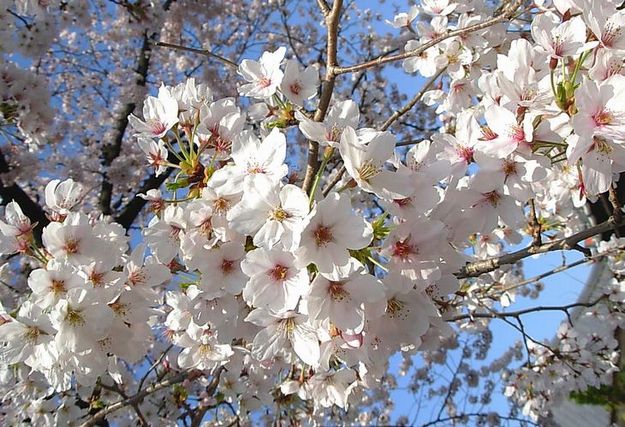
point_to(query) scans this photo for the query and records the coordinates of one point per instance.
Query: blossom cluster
(585, 350)
(300, 294)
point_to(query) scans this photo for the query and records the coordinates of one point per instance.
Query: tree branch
(334, 181)
(519, 313)
(135, 406)
(449, 420)
(205, 52)
(415, 99)
(477, 268)
(562, 268)
(112, 150)
(136, 399)
(507, 14)
(132, 209)
(210, 390)
(332, 22)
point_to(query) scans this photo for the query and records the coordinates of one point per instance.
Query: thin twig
(21, 18)
(113, 407)
(409, 142)
(334, 181)
(210, 390)
(450, 389)
(505, 16)
(478, 268)
(460, 417)
(154, 365)
(535, 225)
(516, 314)
(415, 99)
(135, 406)
(204, 52)
(562, 268)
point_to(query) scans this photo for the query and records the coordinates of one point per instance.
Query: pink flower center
(323, 235)
(402, 249)
(174, 231)
(492, 198)
(255, 168)
(279, 273)
(71, 246)
(158, 128)
(222, 145)
(221, 206)
(97, 278)
(517, 134)
(602, 118)
(57, 286)
(206, 226)
(227, 266)
(337, 291)
(395, 309)
(509, 168)
(611, 33)
(465, 153)
(155, 159)
(136, 277)
(295, 88)
(488, 134)
(264, 82)
(334, 134)
(558, 46)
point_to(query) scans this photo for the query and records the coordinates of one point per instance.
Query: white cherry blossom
(275, 283)
(332, 230)
(264, 76)
(160, 114)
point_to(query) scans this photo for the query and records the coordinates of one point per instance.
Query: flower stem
(327, 154)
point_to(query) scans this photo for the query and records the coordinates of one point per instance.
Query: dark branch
(130, 212)
(478, 268)
(112, 150)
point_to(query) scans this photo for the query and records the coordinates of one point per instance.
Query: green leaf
(380, 230)
(177, 185)
(361, 255)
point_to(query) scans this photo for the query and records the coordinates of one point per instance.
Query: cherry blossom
(264, 75)
(560, 40)
(159, 115)
(284, 332)
(364, 161)
(299, 86)
(276, 283)
(271, 217)
(16, 230)
(28, 338)
(201, 350)
(331, 231)
(404, 19)
(606, 23)
(255, 161)
(341, 115)
(62, 196)
(340, 296)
